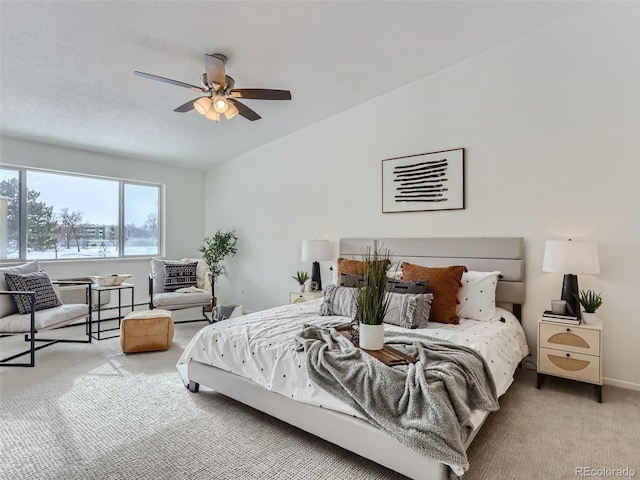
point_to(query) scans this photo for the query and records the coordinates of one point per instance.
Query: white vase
(371, 337)
(301, 287)
(589, 318)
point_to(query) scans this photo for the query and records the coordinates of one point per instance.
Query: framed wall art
(426, 181)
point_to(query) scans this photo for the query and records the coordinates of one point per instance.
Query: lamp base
(316, 279)
(570, 292)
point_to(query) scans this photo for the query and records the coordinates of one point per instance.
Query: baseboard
(619, 383)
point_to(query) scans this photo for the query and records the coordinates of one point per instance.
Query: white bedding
(260, 347)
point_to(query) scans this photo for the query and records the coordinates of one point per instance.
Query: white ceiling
(67, 66)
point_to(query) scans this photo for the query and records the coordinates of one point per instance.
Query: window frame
(122, 182)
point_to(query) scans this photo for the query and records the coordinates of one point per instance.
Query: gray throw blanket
(426, 406)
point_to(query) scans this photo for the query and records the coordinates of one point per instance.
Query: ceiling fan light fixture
(213, 115)
(220, 104)
(231, 112)
(202, 105)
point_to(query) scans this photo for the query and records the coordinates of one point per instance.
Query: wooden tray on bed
(388, 355)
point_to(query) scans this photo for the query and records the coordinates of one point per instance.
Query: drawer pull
(568, 329)
(568, 355)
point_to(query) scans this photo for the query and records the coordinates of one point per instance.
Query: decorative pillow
(38, 282)
(404, 286)
(408, 310)
(355, 267)
(477, 296)
(179, 275)
(444, 283)
(338, 301)
(351, 281)
(7, 305)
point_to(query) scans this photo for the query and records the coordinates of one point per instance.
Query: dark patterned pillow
(350, 281)
(405, 286)
(179, 275)
(38, 282)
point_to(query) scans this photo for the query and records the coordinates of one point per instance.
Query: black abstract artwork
(427, 181)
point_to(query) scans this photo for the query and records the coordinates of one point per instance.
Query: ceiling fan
(221, 98)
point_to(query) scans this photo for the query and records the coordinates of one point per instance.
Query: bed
(253, 359)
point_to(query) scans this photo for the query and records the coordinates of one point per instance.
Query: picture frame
(424, 182)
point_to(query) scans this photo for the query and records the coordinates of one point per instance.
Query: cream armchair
(178, 285)
(31, 317)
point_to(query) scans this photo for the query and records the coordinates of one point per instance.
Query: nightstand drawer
(301, 297)
(570, 338)
(585, 368)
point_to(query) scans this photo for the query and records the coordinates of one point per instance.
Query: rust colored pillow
(354, 268)
(444, 283)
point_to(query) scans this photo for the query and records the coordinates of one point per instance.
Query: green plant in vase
(371, 299)
(590, 302)
(214, 250)
(301, 277)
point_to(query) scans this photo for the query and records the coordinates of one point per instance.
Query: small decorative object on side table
(570, 351)
(300, 297)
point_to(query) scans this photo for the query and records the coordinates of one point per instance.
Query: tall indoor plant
(372, 301)
(214, 250)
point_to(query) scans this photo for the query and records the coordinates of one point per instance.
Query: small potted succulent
(590, 302)
(301, 277)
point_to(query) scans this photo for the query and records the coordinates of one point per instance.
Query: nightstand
(300, 297)
(570, 351)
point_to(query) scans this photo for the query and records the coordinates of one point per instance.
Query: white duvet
(260, 347)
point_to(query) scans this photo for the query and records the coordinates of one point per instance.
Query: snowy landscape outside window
(49, 216)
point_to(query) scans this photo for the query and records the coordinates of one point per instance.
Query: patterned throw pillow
(179, 275)
(404, 286)
(477, 297)
(444, 283)
(338, 301)
(38, 282)
(408, 310)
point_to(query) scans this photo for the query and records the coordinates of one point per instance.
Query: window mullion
(23, 214)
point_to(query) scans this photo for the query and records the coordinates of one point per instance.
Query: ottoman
(146, 331)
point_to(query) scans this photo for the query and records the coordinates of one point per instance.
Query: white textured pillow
(408, 310)
(477, 296)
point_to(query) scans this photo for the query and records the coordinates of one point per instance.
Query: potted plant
(214, 250)
(590, 302)
(372, 301)
(301, 277)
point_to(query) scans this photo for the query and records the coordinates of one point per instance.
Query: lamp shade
(316, 250)
(579, 257)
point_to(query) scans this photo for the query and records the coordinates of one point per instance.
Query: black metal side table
(99, 309)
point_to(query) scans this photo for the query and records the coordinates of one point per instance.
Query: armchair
(39, 310)
(168, 276)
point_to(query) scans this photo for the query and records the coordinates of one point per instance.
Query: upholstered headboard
(505, 254)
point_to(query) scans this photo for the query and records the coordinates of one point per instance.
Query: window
(60, 216)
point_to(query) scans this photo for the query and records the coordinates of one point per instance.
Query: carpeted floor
(91, 412)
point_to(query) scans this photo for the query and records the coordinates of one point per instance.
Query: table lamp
(572, 258)
(316, 251)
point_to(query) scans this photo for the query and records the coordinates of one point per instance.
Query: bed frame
(505, 254)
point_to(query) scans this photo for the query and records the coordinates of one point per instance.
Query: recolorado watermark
(604, 472)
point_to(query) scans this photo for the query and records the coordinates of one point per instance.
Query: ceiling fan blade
(169, 81)
(245, 111)
(261, 94)
(214, 66)
(187, 106)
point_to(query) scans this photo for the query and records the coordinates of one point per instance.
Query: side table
(99, 309)
(570, 351)
(300, 297)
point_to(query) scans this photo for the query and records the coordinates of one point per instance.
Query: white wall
(551, 127)
(184, 210)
